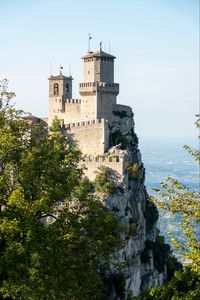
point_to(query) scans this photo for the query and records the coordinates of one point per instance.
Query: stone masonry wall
(91, 136)
(92, 165)
(72, 111)
(67, 112)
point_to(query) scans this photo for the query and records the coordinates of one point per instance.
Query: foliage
(133, 229)
(184, 285)
(135, 138)
(151, 214)
(55, 236)
(122, 114)
(104, 182)
(118, 138)
(134, 170)
(173, 265)
(161, 252)
(178, 198)
(194, 152)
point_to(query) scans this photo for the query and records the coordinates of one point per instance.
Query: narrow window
(67, 88)
(56, 89)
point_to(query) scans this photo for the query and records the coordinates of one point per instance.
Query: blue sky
(155, 42)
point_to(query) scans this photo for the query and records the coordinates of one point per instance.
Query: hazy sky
(155, 42)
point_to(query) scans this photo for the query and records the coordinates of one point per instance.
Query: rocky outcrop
(140, 268)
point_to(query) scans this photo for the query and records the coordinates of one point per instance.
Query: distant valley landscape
(166, 158)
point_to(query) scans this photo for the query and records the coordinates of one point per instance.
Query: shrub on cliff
(118, 138)
(103, 181)
(151, 214)
(134, 170)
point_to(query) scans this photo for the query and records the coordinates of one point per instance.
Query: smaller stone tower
(60, 89)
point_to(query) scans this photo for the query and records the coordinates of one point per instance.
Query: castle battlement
(73, 101)
(116, 164)
(98, 84)
(84, 123)
(104, 159)
(98, 87)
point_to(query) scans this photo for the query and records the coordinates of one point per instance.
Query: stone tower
(60, 89)
(98, 91)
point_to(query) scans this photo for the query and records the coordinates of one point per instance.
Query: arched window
(56, 89)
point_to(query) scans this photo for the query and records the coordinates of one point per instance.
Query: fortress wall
(69, 111)
(72, 111)
(88, 107)
(92, 136)
(93, 165)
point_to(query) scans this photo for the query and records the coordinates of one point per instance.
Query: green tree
(185, 285)
(180, 199)
(56, 238)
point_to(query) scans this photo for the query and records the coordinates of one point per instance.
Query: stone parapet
(92, 136)
(115, 163)
(101, 87)
(101, 159)
(73, 100)
(84, 123)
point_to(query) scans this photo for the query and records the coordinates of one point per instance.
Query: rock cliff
(142, 266)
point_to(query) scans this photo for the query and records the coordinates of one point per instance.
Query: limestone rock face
(134, 208)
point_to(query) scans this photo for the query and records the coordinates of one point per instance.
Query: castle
(104, 131)
(95, 117)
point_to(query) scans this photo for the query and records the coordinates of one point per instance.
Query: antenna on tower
(51, 68)
(109, 47)
(69, 68)
(89, 38)
(61, 68)
(100, 46)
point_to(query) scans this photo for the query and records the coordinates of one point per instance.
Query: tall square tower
(98, 91)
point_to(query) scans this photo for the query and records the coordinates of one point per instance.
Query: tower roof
(60, 76)
(98, 54)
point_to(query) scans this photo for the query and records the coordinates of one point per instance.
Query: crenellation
(92, 165)
(105, 159)
(85, 123)
(73, 101)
